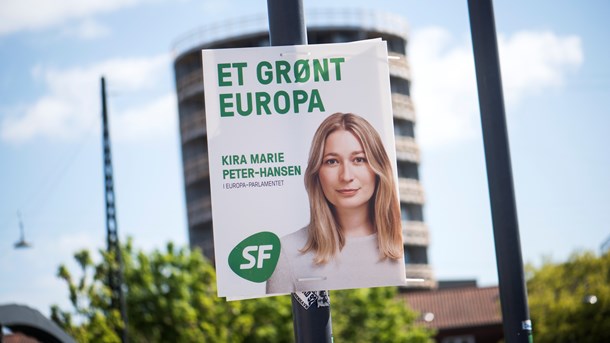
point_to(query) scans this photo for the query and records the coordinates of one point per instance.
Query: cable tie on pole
(415, 280)
(319, 278)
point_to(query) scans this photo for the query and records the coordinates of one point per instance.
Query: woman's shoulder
(295, 240)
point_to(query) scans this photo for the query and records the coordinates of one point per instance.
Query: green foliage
(558, 299)
(171, 297)
(374, 315)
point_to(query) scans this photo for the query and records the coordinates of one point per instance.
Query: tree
(374, 315)
(171, 297)
(570, 302)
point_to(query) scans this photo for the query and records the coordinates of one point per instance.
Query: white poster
(302, 168)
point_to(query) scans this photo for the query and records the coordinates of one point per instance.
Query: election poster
(302, 168)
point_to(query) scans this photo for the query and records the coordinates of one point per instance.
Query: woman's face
(346, 177)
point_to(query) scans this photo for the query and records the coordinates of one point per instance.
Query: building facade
(329, 26)
(460, 313)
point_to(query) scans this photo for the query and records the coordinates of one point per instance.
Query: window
(416, 255)
(400, 86)
(404, 128)
(411, 212)
(199, 191)
(187, 65)
(408, 170)
(195, 148)
(190, 106)
(321, 37)
(397, 45)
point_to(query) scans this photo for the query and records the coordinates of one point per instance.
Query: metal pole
(115, 277)
(286, 22)
(513, 293)
(310, 310)
(311, 317)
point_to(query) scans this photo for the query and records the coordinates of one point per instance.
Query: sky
(556, 82)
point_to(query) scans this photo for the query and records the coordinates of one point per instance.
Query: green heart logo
(255, 258)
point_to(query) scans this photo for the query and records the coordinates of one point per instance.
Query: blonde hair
(325, 238)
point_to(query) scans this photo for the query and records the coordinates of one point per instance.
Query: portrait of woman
(353, 238)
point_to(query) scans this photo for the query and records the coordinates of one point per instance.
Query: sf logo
(255, 257)
(249, 254)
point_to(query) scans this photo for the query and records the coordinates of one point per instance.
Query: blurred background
(52, 54)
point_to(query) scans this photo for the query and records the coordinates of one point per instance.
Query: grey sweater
(357, 265)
